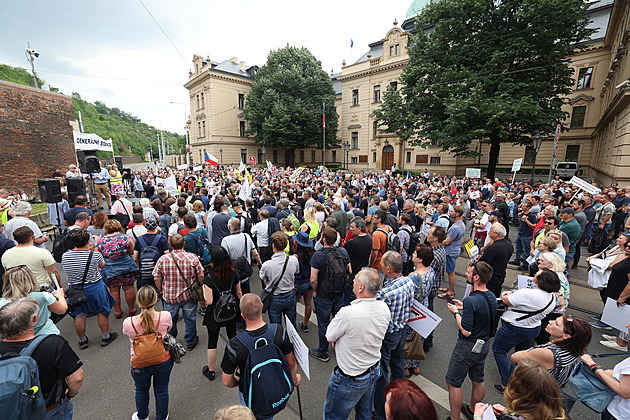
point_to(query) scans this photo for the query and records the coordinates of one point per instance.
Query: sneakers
(613, 345)
(202, 311)
(84, 344)
(600, 325)
(609, 337)
(466, 411)
(134, 416)
(112, 337)
(319, 355)
(596, 317)
(523, 267)
(514, 262)
(189, 348)
(303, 327)
(499, 388)
(208, 373)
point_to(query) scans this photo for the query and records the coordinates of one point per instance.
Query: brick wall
(35, 135)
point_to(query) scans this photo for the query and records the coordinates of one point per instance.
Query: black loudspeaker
(126, 173)
(88, 161)
(75, 187)
(49, 190)
(118, 160)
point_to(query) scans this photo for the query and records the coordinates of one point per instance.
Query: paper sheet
(616, 316)
(299, 348)
(422, 319)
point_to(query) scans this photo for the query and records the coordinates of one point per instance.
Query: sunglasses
(549, 223)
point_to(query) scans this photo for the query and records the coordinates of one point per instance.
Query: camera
(32, 51)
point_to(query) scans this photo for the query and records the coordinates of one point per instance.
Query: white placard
(170, 185)
(525, 282)
(580, 183)
(488, 414)
(473, 173)
(530, 259)
(468, 290)
(516, 165)
(422, 319)
(473, 253)
(616, 316)
(198, 168)
(182, 166)
(299, 348)
(91, 141)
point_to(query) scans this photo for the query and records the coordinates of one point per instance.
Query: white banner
(198, 168)
(581, 184)
(422, 319)
(473, 173)
(170, 185)
(91, 141)
(182, 166)
(300, 350)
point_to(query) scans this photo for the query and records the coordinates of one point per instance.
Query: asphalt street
(108, 390)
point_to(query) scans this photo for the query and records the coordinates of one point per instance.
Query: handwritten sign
(422, 319)
(299, 348)
(583, 185)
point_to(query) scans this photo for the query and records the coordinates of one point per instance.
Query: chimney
(243, 67)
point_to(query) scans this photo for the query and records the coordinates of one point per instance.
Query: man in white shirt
(39, 261)
(138, 229)
(356, 333)
(22, 212)
(239, 244)
(260, 231)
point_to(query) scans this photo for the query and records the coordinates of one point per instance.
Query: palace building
(599, 108)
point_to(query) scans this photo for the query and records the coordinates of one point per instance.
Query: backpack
(298, 211)
(21, 397)
(246, 222)
(334, 280)
(181, 229)
(148, 348)
(450, 220)
(203, 246)
(414, 238)
(266, 378)
(148, 257)
(226, 307)
(393, 241)
(242, 264)
(293, 219)
(61, 244)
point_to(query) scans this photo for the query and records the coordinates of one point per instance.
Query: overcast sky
(114, 52)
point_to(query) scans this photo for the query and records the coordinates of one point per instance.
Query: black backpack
(61, 244)
(149, 255)
(334, 280)
(272, 227)
(246, 223)
(226, 308)
(393, 241)
(414, 238)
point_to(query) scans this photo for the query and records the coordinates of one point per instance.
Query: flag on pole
(245, 191)
(211, 159)
(323, 116)
(408, 175)
(241, 166)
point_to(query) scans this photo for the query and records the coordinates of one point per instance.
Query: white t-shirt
(138, 230)
(36, 259)
(484, 222)
(620, 407)
(529, 300)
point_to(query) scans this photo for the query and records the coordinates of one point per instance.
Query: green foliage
(17, 75)
(489, 70)
(285, 105)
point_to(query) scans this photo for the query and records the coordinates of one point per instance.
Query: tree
(485, 70)
(284, 108)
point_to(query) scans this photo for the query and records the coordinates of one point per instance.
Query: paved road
(108, 391)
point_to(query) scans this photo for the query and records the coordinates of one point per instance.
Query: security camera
(32, 51)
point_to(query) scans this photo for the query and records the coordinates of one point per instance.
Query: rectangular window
(312, 155)
(199, 128)
(355, 140)
(435, 143)
(374, 129)
(203, 129)
(391, 50)
(241, 126)
(363, 158)
(244, 155)
(573, 153)
(197, 96)
(353, 159)
(355, 97)
(275, 156)
(397, 49)
(528, 159)
(377, 93)
(202, 102)
(578, 116)
(408, 158)
(422, 158)
(436, 160)
(393, 85)
(261, 157)
(584, 77)
(241, 101)
(374, 157)
(334, 156)
(301, 156)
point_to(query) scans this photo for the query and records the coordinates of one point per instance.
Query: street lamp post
(221, 153)
(537, 140)
(188, 154)
(346, 148)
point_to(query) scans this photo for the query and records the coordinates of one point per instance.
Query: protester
(303, 288)
(39, 261)
(22, 211)
(404, 400)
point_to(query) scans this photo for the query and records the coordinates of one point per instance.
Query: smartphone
(449, 299)
(478, 346)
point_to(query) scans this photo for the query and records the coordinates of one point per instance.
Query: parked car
(567, 170)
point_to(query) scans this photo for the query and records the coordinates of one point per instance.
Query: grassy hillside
(130, 135)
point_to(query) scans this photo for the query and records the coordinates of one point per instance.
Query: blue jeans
(344, 394)
(391, 359)
(64, 411)
(507, 337)
(282, 304)
(242, 400)
(348, 294)
(324, 308)
(522, 247)
(189, 308)
(142, 377)
(165, 223)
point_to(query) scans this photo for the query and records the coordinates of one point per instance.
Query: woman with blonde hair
(120, 268)
(150, 321)
(19, 282)
(235, 412)
(115, 180)
(532, 394)
(199, 213)
(310, 225)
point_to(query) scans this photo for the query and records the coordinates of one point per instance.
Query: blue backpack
(266, 378)
(203, 245)
(21, 397)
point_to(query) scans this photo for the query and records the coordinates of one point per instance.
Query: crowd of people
(356, 248)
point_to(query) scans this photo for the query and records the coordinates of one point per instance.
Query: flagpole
(324, 133)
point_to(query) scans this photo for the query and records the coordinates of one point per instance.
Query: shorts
(301, 289)
(464, 361)
(450, 263)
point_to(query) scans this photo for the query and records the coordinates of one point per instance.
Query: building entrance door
(387, 157)
(289, 158)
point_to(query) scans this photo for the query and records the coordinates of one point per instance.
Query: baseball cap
(568, 210)
(150, 223)
(495, 213)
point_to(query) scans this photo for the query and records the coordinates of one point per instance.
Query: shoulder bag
(414, 348)
(75, 295)
(148, 348)
(266, 296)
(196, 291)
(242, 265)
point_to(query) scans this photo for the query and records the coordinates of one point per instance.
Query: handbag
(196, 291)
(589, 388)
(124, 219)
(242, 265)
(414, 348)
(265, 296)
(75, 296)
(148, 348)
(174, 347)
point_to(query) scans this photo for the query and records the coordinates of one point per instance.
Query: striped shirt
(398, 293)
(74, 262)
(563, 363)
(439, 266)
(174, 287)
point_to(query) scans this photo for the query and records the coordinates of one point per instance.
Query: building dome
(415, 8)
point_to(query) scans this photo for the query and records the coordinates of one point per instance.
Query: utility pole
(31, 55)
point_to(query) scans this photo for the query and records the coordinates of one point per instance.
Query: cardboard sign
(616, 316)
(516, 165)
(525, 282)
(299, 348)
(422, 319)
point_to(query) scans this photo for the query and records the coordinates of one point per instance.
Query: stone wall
(35, 136)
